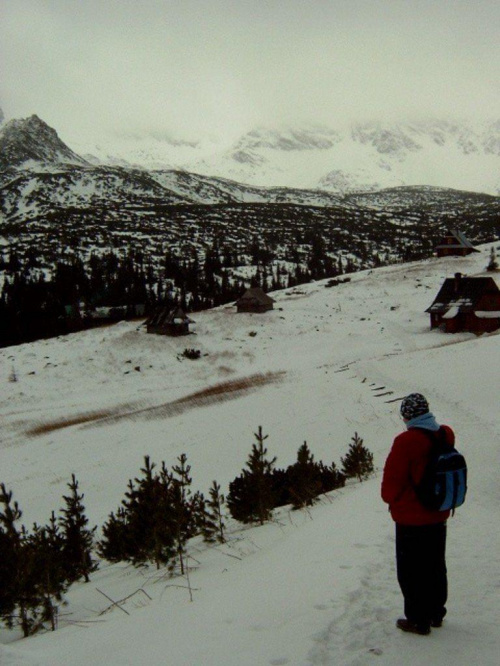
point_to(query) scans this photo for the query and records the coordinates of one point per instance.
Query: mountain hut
(454, 244)
(165, 321)
(255, 300)
(466, 304)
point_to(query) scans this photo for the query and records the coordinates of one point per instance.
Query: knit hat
(414, 405)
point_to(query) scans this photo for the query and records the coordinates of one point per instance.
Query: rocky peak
(31, 139)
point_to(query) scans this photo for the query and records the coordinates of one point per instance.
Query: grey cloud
(189, 67)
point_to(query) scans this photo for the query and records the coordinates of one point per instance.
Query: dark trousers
(421, 567)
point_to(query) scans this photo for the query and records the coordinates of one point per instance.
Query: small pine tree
(304, 483)
(214, 526)
(181, 509)
(10, 546)
(8, 566)
(251, 496)
(280, 487)
(47, 550)
(78, 539)
(20, 601)
(358, 461)
(330, 477)
(114, 543)
(148, 511)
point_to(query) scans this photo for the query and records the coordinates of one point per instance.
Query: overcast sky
(191, 67)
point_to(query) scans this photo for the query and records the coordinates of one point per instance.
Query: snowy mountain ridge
(358, 157)
(361, 157)
(39, 172)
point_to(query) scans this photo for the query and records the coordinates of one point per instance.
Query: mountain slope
(316, 587)
(32, 140)
(46, 200)
(338, 158)
(367, 156)
(38, 192)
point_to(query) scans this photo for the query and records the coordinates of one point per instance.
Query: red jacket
(403, 470)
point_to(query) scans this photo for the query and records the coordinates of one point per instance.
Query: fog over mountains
(361, 157)
(341, 159)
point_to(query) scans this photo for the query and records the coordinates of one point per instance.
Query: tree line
(40, 299)
(157, 516)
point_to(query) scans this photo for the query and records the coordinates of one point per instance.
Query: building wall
(469, 322)
(173, 330)
(455, 325)
(253, 307)
(453, 252)
(480, 325)
(436, 320)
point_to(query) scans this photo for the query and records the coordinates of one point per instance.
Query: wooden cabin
(255, 300)
(165, 321)
(466, 304)
(454, 244)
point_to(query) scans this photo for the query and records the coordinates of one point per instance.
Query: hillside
(32, 140)
(314, 587)
(52, 199)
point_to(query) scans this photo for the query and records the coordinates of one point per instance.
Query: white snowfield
(313, 587)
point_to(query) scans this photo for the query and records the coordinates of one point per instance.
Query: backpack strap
(437, 437)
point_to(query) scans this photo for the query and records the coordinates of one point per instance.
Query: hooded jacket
(403, 470)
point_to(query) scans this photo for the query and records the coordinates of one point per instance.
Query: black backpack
(444, 483)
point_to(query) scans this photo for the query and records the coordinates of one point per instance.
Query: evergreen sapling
(182, 511)
(251, 495)
(20, 601)
(214, 526)
(493, 263)
(78, 539)
(304, 482)
(113, 546)
(358, 461)
(47, 546)
(149, 517)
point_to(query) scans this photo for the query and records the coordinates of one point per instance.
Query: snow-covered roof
(463, 293)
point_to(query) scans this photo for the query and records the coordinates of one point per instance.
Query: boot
(413, 627)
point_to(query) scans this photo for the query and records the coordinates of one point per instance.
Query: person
(420, 532)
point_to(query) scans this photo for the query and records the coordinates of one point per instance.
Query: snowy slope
(313, 587)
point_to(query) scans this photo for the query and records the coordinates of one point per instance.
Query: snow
(350, 160)
(452, 312)
(312, 587)
(487, 314)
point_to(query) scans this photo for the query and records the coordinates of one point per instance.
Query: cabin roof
(256, 294)
(461, 294)
(460, 242)
(164, 316)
